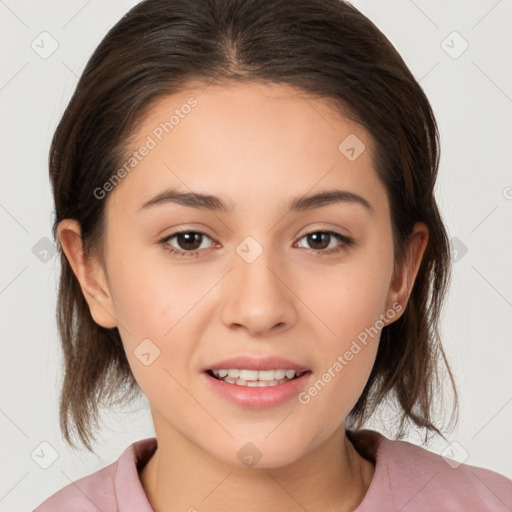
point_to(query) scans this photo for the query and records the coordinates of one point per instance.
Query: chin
(262, 452)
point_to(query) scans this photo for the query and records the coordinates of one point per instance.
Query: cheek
(350, 297)
(152, 294)
(350, 301)
(158, 307)
(348, 353)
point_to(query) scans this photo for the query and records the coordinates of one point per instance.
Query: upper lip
(246, 362)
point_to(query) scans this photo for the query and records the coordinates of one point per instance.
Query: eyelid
(331, 228)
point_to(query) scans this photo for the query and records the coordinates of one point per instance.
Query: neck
(182, 477)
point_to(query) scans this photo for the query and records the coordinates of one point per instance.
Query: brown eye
(319, 241)
(188, 243)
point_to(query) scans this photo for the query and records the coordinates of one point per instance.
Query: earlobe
(89, 274)
(404, 277)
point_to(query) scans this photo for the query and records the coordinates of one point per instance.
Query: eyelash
(347, 243)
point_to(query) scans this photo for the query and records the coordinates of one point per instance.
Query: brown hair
(325, 48)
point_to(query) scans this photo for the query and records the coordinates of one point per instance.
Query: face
(256, 279)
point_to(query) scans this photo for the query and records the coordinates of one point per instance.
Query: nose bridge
(258, 298)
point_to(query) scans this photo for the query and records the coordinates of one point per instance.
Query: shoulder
(91, 493)
(416, 479)
(111, 488)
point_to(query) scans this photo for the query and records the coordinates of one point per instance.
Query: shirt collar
(370, 444)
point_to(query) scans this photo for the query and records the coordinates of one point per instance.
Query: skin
(257, 146)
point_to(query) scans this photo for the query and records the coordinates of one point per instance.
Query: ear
(89, 273)
(403, 278)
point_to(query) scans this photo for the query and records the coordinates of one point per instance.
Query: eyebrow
(214, 203)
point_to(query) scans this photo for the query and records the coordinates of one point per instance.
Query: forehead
(248, 142)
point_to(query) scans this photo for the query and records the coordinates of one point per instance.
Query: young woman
(244, 197)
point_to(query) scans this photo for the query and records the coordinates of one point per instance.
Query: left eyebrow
(329, 197)
(298, 204)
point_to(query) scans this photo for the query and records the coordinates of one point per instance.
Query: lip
(246, 362)
(256, 397)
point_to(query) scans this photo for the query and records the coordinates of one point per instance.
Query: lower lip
(256, 397)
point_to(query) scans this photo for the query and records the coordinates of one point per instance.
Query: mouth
(263, 385)
(255, 382)
(256, 378)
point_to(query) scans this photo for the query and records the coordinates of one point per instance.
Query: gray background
(471, 94)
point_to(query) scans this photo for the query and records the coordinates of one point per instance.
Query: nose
(258, 297)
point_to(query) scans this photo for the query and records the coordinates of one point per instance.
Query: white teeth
(281, 374)
(254, 383)
(269, 375)
(249, 374)
(255, 378)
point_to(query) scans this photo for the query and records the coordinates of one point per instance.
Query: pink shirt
(407, 478)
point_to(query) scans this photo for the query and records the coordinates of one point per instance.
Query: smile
(255, 378)
(257, 389)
